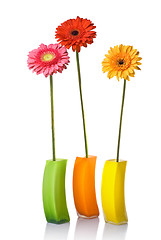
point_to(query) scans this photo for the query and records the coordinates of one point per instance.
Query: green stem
(52, 116)
(123, 98)
(81, 98)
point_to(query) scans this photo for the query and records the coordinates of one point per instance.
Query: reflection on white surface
(56, 231)
(114, 232)
(86, 229)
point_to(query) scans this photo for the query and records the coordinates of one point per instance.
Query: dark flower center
(75, 33)
(121, 62)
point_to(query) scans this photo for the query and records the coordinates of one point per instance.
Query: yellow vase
(112, 192)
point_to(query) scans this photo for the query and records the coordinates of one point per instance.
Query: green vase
(54, 197)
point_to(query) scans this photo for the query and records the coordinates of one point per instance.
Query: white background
(25, 124)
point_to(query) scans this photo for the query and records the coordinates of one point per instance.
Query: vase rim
(89, 156)
(114, 161)
(57, 160)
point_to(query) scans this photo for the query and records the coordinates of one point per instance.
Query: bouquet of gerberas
(121, 61)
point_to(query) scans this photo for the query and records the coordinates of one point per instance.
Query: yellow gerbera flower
(121, 61)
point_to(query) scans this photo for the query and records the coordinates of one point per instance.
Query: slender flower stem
(123, 98)
(81, 98)
(52, 116)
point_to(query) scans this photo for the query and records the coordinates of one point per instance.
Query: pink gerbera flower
(48, 59)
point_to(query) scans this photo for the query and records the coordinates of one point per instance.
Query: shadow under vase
(56, 231)
(114, 232)
(86, 229)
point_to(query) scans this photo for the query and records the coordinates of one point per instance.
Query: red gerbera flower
(75, 33)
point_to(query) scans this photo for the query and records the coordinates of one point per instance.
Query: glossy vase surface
(54, 196)
(112, 192)
(84, 187)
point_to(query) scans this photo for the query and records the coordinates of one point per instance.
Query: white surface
(25, 134)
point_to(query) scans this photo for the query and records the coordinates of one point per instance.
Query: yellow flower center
(48, 57)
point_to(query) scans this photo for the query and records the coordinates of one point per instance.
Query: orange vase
(84, 187)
